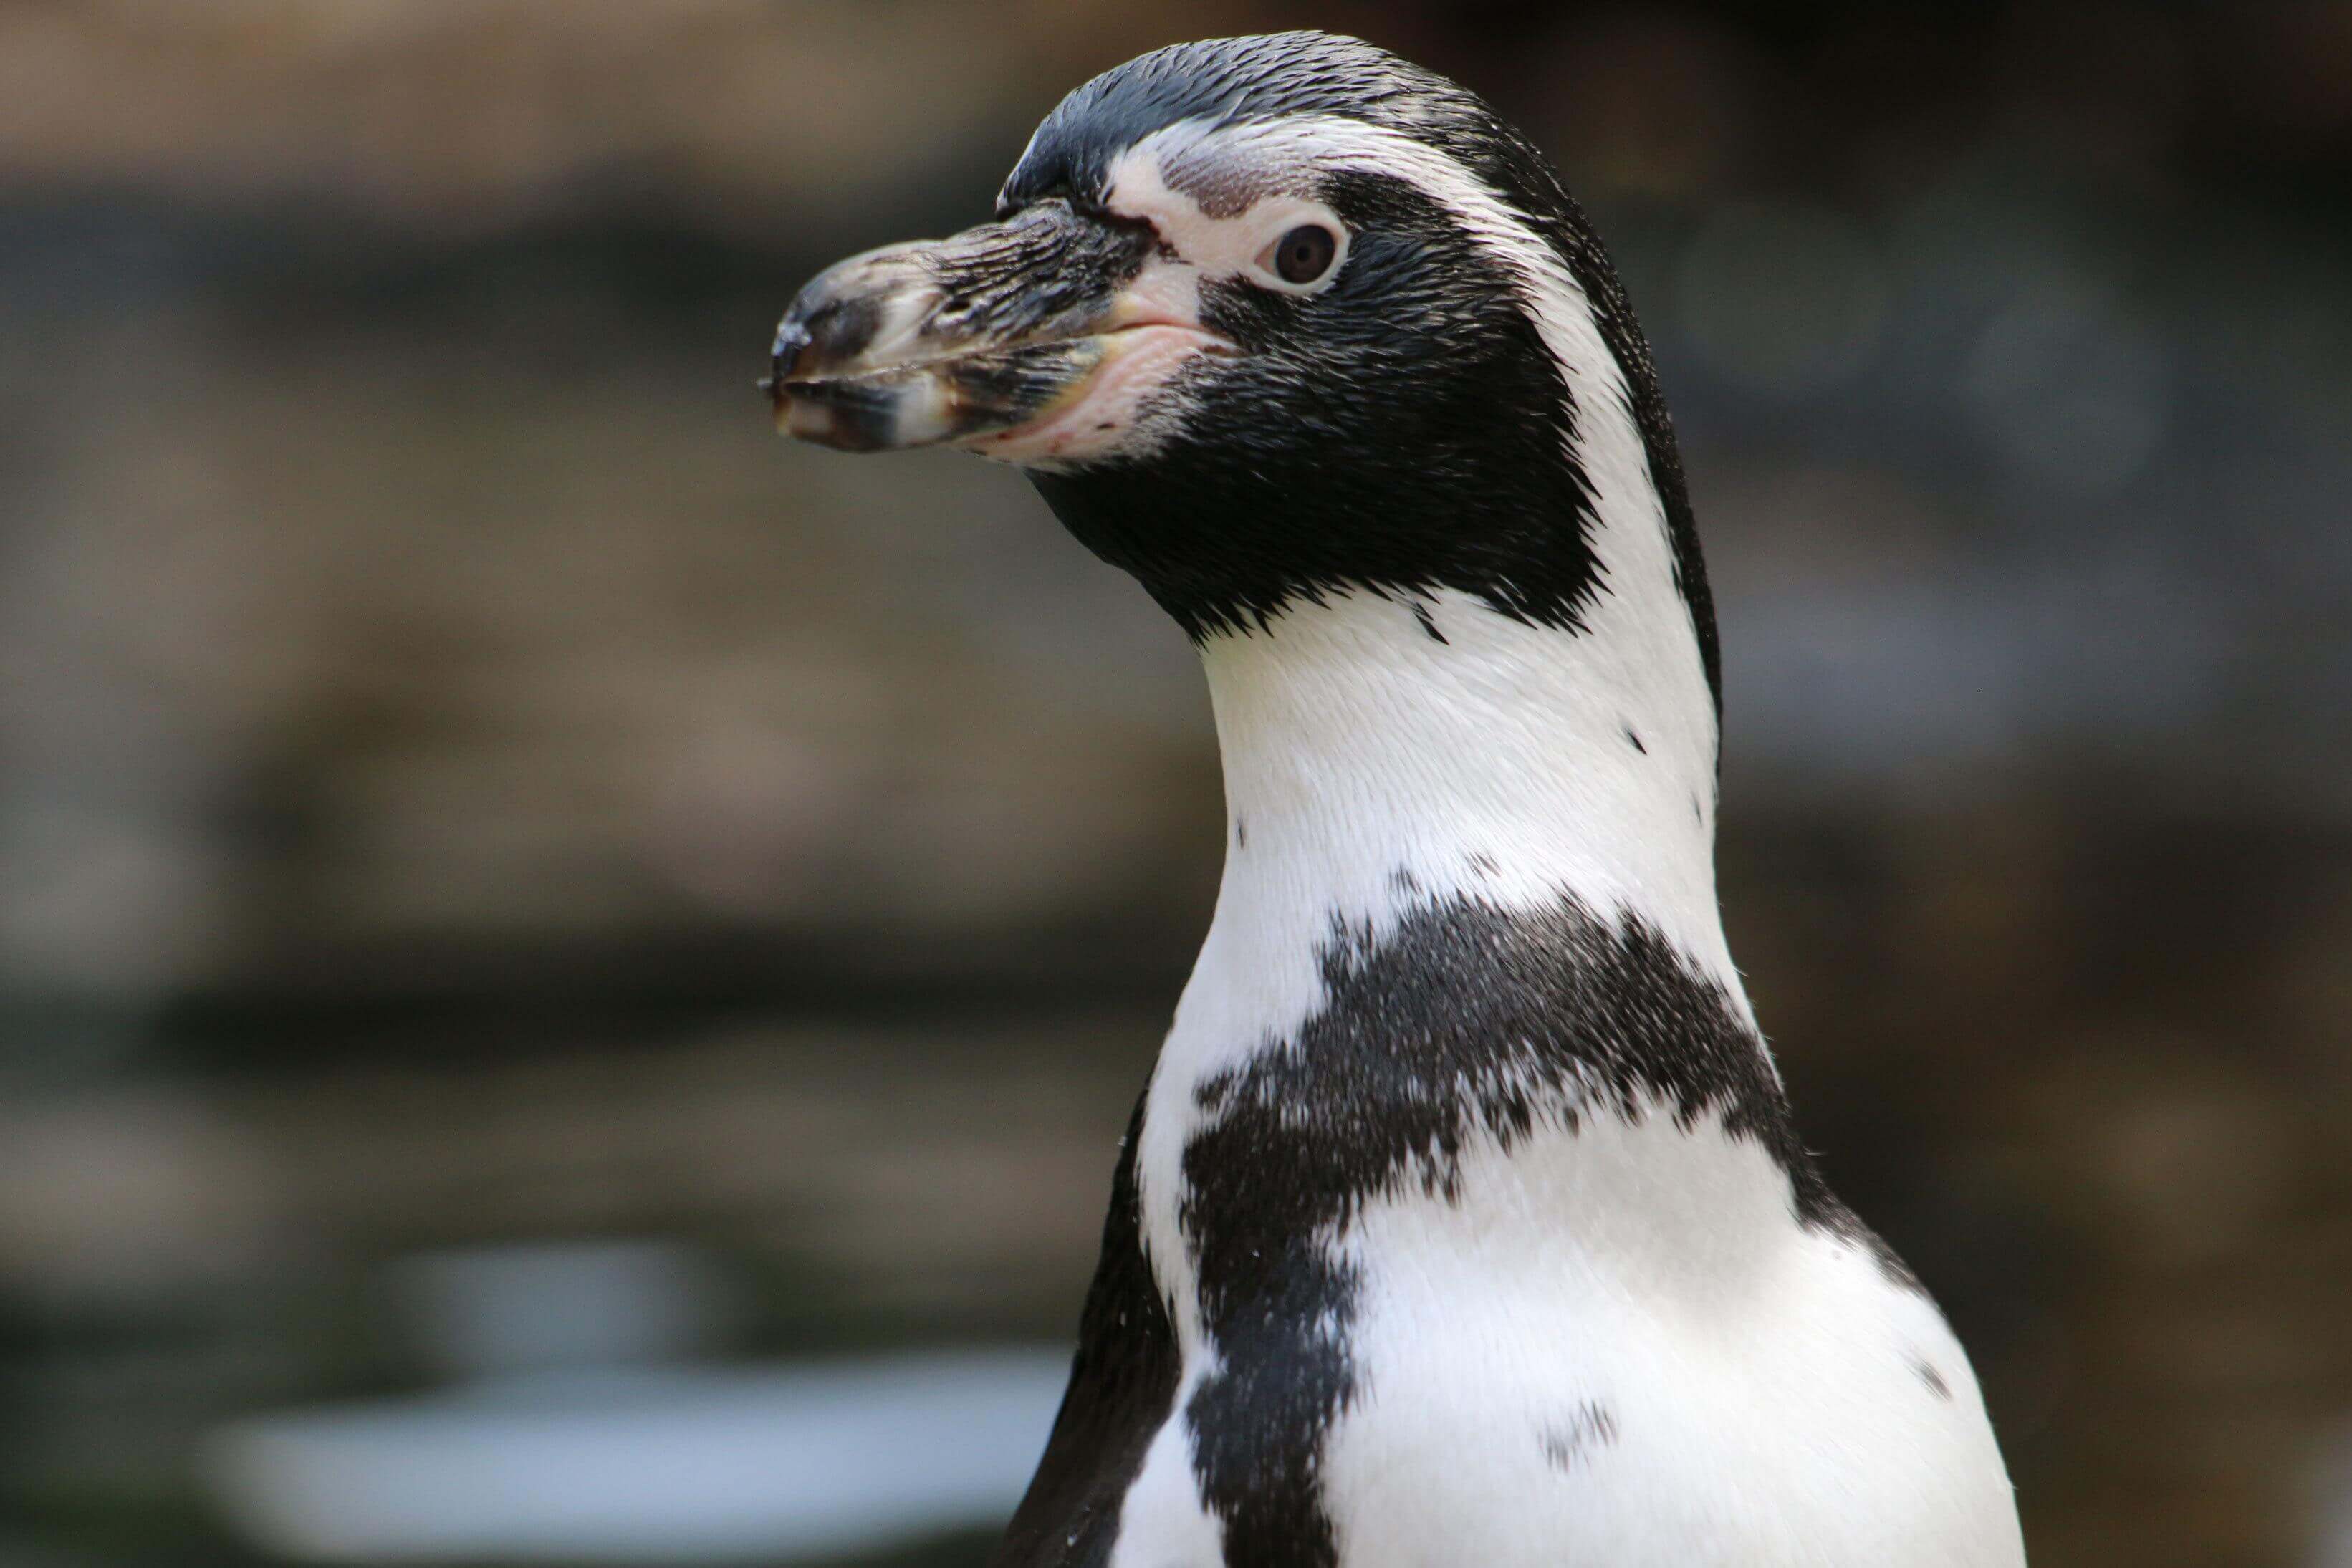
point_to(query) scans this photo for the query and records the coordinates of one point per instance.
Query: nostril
(824, 331)
(838, 331)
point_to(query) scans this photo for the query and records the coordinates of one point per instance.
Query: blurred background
(571, 972)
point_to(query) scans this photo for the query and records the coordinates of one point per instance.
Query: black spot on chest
(1568, 1443)
(1467, 1022)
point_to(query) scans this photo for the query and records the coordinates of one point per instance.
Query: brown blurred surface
(462, 781)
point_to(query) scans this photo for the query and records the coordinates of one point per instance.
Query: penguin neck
(1385, 755)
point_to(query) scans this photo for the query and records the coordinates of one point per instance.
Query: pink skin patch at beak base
(1104, 412)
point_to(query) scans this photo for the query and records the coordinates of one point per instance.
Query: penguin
(1463, 1219)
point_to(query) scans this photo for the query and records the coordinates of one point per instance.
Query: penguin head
(1268, 320)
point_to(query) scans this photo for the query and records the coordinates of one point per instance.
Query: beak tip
(794, 341)
(804, 419)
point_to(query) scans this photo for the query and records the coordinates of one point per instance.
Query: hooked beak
(997, 338)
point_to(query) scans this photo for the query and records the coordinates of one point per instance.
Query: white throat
(1372, 767)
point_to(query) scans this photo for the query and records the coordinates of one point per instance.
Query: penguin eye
(1303, 255)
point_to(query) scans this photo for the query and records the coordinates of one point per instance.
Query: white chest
(1619, 1345)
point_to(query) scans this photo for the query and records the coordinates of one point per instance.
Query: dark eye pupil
(1305, 253)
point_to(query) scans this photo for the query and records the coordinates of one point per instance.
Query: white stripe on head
(1219, 201)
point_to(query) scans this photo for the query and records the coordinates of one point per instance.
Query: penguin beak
(999, 339)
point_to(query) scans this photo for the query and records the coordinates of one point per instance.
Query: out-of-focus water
(727, 1465)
